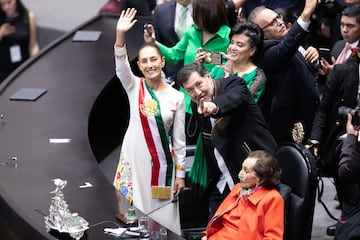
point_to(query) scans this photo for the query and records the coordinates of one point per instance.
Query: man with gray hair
(291, 92)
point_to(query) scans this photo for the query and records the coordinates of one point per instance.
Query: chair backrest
(299, 173)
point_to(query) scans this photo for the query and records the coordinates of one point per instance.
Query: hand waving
(125, 23)
(126, 20)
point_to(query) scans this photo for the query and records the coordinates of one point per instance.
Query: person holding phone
(288, 75)
(18, 39)
(171, 19)
(209, 31)
(350, 32)
(347, 226)
(245, 41)
(341, 89)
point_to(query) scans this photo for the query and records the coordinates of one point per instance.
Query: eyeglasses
(277, 21)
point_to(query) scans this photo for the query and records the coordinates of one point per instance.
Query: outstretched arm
(309, 8)
(122, 67)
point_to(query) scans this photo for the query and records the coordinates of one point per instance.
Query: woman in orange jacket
(254, 209)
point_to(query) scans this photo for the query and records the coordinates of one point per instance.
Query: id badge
(15, 53)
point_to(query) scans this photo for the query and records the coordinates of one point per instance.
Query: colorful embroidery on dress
(123, 180)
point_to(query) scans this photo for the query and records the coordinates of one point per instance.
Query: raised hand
(228, 67)
(126, 20)
(309, 8)
(125, 23)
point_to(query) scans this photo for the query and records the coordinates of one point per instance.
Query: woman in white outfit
(151, 165)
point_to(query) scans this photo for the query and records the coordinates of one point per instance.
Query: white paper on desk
(120, 231)
(59, 140)
(86, 36)
(28, 94)
(115, 231)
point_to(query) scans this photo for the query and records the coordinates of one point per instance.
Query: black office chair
(194, 210)
(299, 173)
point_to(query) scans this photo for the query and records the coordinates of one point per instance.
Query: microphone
(174, 200)
(127, 220)
(132, 231)
(119, 231)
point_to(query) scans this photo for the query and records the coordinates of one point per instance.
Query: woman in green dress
(245, 41)
(210, 31)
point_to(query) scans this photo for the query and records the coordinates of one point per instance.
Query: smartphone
(148, 29)
(325, 53)
(212, 57)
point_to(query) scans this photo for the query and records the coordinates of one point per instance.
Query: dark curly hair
(266, 168)
(251, 30)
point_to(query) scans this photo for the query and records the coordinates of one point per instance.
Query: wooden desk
(75, 76)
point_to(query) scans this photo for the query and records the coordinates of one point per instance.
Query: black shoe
(330, 230)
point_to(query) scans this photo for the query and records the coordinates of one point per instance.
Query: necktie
(343, 55)
(181, 27)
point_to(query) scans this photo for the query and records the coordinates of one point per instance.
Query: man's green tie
(181, 27)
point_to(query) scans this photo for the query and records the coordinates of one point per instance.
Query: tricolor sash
(157, 142)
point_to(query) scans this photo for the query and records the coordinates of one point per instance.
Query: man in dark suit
(349, 171)
(291, 92)
(350, 32)
(166, 24)
(341, 89)
(231, 125)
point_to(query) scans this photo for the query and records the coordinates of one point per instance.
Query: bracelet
(122, 56)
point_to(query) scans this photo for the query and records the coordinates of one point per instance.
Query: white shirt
(178, 12)
(225, 177)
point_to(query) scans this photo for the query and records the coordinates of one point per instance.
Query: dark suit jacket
(340, 90)
(143, 7)
(349, 170)
(164, 19)
(338, 47)
(349, 166)
(291, 92)
(238, 123)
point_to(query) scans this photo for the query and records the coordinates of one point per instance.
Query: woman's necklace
(247, 192)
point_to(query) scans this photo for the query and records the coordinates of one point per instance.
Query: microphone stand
(133, 218)
(132, 230)
(174, 200)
